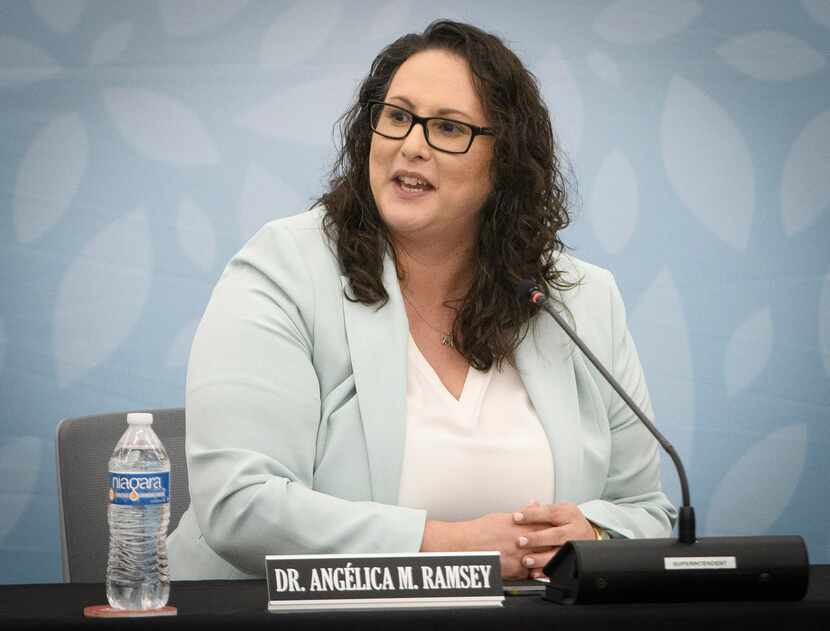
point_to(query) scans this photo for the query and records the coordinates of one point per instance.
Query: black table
(240, 605)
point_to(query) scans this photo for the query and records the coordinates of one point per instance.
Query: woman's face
(432, 83)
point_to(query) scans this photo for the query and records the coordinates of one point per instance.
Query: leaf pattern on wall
(61, 16)
(20, 466)
(615, 202)
(661, 335)
(179, 350)
(824, 323)
(196, 234)
(805, 187)
(294, 113)
(391, 20)
(102, 297)
(643, 22)
(317, 19)
(771, 56)
(708, 162)
(819, 10)
(748, 351)
(756, 490)
(605, 68)
(49, 176)
(265, 197)
(563, 96)
(2, 346)
(196, 17)
(160, 127)
(111, 44)
(21, 62)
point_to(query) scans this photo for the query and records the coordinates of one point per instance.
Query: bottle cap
(140, 418)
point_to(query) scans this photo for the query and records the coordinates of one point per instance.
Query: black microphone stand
(669, 570)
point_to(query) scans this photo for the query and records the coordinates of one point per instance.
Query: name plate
(383, 581)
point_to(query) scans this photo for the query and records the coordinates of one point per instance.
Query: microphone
(669, 570)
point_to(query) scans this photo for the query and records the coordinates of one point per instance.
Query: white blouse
(484, 452)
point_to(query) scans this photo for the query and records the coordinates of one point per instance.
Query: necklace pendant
(446, 340)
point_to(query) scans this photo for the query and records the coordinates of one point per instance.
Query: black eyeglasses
(443, 134)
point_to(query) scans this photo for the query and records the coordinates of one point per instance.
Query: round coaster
(105, 611)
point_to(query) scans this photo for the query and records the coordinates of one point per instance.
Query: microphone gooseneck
(669, 570)
(527, 290)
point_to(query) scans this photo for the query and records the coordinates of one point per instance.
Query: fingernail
(518, 516)
(522, 542)
(529, 562)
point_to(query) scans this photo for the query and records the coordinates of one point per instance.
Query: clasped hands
(530, 537)
(526, 539)
(549, 526)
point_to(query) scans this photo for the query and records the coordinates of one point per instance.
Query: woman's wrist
(440, 536)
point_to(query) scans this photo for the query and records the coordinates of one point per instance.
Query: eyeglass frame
(422, 121)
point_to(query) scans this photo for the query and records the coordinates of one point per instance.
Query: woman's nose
(415, 144)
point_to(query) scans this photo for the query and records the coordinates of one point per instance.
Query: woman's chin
(407, 219)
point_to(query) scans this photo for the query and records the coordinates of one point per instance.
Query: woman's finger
(536, 561)
(554, 514)
(546, 538)
(530, 504)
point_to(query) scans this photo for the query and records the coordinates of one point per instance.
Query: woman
(365, 379)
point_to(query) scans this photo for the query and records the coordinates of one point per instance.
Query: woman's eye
(396, 116)
(448, 128)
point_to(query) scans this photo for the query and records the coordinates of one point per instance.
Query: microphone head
(524, 288)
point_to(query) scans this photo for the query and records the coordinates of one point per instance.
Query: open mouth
(412, 185)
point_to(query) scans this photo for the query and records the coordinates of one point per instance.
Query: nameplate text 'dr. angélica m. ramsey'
(383, 581)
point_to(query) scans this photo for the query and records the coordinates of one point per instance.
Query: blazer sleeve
(253, 412)
(632, 503)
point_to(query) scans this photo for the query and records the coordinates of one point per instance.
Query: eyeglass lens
(442, 133)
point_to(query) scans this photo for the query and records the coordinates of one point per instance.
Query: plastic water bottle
(139, 511)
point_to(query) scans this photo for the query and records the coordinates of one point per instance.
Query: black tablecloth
(240, 605)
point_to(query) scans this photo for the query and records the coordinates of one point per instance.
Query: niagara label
(135, 489)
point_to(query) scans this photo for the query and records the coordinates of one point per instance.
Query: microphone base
(665, 570)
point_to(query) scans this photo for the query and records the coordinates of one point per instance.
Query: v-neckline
(472, 380)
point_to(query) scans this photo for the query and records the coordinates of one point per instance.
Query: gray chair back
(84, 446)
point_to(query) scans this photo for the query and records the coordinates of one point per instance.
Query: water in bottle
(139, 511)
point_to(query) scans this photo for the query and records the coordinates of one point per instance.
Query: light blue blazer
(296, 408)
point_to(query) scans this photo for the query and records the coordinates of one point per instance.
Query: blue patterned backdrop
(142, 143)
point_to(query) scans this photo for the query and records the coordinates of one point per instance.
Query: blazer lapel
(378, 341)
(544, 361)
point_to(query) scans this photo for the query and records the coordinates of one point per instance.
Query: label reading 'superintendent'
(139, 489)
(700, 563)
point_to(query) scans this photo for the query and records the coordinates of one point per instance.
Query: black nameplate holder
(383, 581)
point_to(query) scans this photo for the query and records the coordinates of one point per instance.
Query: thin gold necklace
(446, 338)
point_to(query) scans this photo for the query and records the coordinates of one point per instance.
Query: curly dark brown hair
(520, 222)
